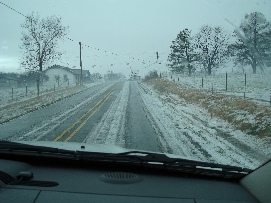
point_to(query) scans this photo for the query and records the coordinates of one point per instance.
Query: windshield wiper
(141, 158)
(7, 146)
(167, 161)
(163, 161)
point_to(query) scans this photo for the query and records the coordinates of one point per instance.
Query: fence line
(247, 86)
(10, 95)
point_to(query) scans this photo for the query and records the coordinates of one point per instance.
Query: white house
(63, 76)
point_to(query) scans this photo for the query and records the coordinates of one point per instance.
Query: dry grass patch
(245, 115)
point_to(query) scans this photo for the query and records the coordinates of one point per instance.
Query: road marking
(80, 119)
(82, 124)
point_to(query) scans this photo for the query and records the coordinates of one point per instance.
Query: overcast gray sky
(128, 28)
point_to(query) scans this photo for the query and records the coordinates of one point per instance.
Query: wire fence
(14, 94)
(255, 87)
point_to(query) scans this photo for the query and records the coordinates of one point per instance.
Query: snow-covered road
(110, 129)
(132, 114)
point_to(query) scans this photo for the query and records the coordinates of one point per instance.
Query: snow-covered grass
(257, 87)
(188, 129)
(245, 115)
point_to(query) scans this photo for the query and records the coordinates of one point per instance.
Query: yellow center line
(82, 124)
(75, 123)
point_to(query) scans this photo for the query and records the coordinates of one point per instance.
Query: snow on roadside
(191, 132)
(110, 129)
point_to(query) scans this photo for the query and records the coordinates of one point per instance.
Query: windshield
(188, 78)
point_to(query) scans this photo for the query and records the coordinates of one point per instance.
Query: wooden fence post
(12, 94)
(226, 81)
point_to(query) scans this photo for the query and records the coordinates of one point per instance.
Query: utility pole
(81, 77)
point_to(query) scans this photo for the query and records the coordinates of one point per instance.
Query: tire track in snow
(110, 129)
(172, 140)
(224, 145)
(237, 143)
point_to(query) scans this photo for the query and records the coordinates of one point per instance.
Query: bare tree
(39, 41)
(212, 47)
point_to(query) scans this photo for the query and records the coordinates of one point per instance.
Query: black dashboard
(71, 181)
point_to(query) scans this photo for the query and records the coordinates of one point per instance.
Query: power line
(98, 49)
(13, 9)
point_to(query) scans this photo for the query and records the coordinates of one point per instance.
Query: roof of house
(74, 71)
(78, 72)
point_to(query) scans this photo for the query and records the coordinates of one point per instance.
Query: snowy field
(257, 87)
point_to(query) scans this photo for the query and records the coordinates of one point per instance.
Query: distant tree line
(29, 78)
(151, 75)
(212, 47)
(110, 75)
